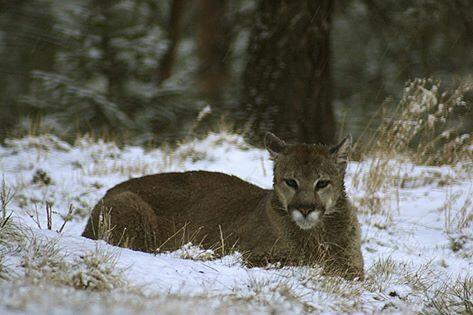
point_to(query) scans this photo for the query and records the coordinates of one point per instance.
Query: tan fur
(165, 210)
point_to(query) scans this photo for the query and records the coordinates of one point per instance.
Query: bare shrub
(48, 210)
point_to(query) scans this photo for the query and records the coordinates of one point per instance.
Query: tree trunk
(212, 45)
(287, 81)
(174, 32)
(110, 65)
(29, 42)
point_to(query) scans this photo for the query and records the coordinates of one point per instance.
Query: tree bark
(287, 81)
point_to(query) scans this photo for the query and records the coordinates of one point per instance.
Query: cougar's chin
(305, 222)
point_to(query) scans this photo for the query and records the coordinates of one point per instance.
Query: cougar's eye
(322, 184)
(291, 183)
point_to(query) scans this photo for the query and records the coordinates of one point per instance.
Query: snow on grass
(417, 237)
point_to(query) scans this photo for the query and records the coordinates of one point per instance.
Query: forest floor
(417, 238)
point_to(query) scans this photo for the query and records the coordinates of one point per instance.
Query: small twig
(171, 237)
(67, 218)
(49, 215)
(5, 221)
(105, 228)
(222, 240)
(6, 196)
(122, 237)
(34, 216)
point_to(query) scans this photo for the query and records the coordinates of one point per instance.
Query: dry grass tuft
(10, 234)
(418, 131)
(189, 251)
(456, 298)
(11, 237)
(103, 231)
(44, 261)
(96, 271)
(6, 196)
(421, 127)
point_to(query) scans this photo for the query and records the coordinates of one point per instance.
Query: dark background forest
(160, 71)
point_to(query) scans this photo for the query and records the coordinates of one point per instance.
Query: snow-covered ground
(417, 237)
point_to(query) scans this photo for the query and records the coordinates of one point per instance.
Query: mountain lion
(305, 219)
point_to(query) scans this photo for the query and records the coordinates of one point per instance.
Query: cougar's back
(198, 206)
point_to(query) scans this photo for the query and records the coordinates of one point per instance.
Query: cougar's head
(308, 179)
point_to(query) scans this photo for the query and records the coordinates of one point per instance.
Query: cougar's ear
(341, 151)
(273, 144)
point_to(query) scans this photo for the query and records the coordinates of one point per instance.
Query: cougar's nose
(305, 210)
